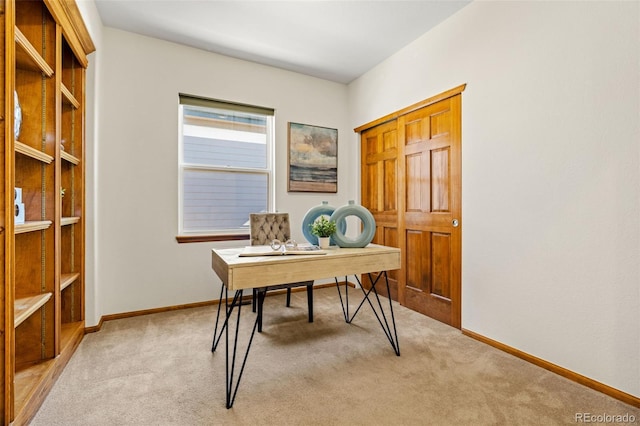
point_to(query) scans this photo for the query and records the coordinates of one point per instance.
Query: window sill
(206, 238)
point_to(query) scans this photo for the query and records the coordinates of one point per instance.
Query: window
(225, 165)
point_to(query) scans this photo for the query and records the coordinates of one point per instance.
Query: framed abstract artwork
(313, 158)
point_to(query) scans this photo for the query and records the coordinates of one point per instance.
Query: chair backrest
(266, 227)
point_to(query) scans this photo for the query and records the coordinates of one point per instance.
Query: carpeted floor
(159, 370)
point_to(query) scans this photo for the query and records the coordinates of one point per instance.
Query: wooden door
(411, 182)
(379, 153)
(429, 201)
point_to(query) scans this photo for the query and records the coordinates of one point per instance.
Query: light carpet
(159, 370)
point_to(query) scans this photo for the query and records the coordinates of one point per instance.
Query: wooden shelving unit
(45, 57)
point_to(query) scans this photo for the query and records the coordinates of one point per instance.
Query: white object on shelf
(17, 195)
(17, 115)
(19, 214)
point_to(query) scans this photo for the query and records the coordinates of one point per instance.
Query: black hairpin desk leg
(230, 361)
(216, 336)
(379, 312)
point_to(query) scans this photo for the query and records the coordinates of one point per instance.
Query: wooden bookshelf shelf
(68, 96)
(25, 149)
(70, 158)
(25, 307)
(32, 226)
(71, 333)
(28, 58)
(28, 381)
(67, 279)
(69, 220)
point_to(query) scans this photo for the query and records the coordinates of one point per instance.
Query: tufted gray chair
(265, 227)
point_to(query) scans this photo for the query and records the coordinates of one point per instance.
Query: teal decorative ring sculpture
(313, 214)
(368, 225)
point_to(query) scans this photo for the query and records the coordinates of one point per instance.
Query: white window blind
(226, 165)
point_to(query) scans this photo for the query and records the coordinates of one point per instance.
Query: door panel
(418, 264)
(390, 167)
(370, 198)
(440, 282)
(417, 198)
(440, 176)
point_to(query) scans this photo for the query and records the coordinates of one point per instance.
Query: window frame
(189, 236)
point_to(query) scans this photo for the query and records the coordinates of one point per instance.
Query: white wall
(140, 264)
(93, 22)
(551, 172)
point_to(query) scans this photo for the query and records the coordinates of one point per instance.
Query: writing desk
(241, 273)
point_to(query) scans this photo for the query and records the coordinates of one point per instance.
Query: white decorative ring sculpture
(368, 225)
(313, 214)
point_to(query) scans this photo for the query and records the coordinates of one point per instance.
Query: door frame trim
(394, 115)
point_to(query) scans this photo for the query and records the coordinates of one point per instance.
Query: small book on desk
(282, 251)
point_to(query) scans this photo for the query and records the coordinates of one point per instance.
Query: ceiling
(333, 40)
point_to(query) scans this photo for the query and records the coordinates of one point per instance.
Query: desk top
(260, 271)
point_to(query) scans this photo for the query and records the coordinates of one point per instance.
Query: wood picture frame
(312, 158)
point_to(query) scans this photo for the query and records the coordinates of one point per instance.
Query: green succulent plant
(323, 227)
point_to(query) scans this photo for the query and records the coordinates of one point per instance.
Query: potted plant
(323, 228)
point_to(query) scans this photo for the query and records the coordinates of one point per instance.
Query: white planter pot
(323, 242)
